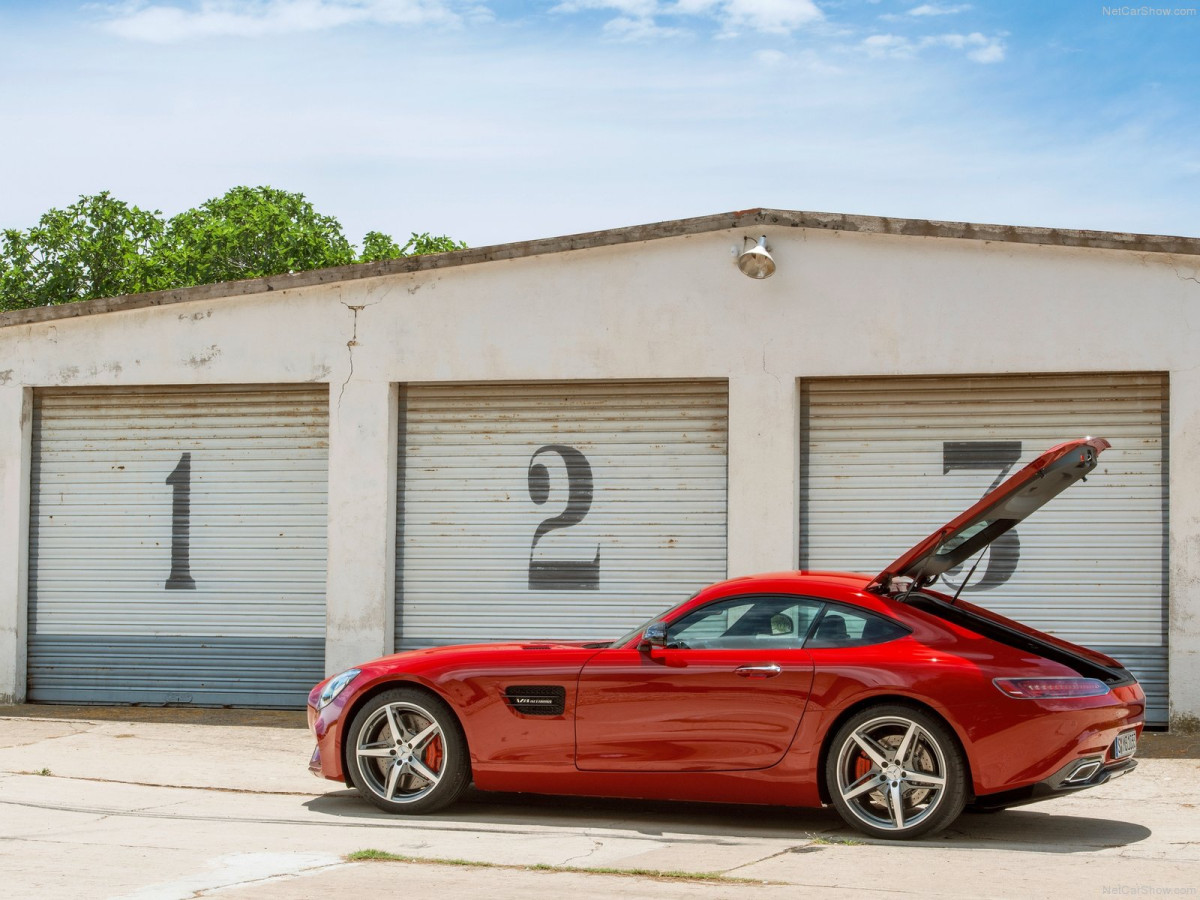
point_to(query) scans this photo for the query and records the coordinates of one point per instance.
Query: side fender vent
(536, 699)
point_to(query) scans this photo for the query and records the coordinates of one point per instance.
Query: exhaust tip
(1082, 772)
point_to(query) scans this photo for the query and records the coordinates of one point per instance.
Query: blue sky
(503, 121)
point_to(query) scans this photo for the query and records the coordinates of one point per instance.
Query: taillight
(1050, 688)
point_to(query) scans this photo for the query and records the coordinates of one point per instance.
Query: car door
(726, 692)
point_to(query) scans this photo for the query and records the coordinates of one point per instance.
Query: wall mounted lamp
(756, 262)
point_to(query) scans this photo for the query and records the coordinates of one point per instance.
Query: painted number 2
(562, 575)
(1004, 552)
(180, 481)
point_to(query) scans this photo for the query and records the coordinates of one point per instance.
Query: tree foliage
(378, 246)
(97, 247)
(103, 247)
(420, 244)
(250, 233)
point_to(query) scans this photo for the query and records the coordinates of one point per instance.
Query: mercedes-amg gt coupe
(895, 703)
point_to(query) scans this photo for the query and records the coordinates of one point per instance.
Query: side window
(746, 623)
(844, 627)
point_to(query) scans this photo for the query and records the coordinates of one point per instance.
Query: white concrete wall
(1184, 548)
(360, 610)
(16, 427)
(841, 304)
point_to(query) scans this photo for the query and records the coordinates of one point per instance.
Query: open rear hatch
(969, 533)
(1000, 510)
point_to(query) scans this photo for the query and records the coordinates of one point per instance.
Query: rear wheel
(407, 753)
(896, 772)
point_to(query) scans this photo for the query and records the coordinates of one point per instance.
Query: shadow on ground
(179, 715)
(1025, 829)
(1153, 744)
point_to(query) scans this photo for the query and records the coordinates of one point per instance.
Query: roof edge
(747, 218)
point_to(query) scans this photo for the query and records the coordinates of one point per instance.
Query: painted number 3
(1004, 552)
(562, 575)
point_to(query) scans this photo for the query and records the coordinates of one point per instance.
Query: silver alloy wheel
(891, 773)
(402, 753)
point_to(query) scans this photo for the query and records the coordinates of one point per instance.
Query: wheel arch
(886, 700)
(374, 691)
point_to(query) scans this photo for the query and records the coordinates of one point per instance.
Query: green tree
(420, 244)
(102, 247)
(250, 232)
(97, 247)
(377, 246)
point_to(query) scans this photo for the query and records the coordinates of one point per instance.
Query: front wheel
(407, 753)
(896, 772)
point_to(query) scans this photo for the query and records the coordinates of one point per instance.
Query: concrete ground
(186, 803)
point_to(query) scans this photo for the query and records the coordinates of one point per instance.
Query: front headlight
(335, 686)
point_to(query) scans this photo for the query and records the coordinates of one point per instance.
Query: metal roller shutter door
(177, 545)
(886, 461)
(568, 511)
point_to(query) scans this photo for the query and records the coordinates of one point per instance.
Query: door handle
(767, 671)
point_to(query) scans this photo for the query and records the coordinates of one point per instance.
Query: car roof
(792, 582)
(838, 587)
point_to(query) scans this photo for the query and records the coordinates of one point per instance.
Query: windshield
(630, 635)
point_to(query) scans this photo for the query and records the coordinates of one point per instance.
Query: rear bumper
(1077, 775)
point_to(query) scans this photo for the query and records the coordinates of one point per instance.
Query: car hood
(999, 511)
(497, 649)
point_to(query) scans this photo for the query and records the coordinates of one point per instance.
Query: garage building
(216, 495)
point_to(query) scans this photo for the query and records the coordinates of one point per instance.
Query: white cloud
(933, 9)
(641, 28)
(632, 9)
(990, 50)
(978, 47)
(804, 63)
(892, 45)
(508, 135)
(768, 16)
(646, 16)
(170, 23)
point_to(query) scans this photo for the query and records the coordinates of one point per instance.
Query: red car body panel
(666, 711)
(681, 724)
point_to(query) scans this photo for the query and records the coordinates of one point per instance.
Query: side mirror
(655, 635)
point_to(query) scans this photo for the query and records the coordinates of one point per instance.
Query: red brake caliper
(433, 755)
(862, 765)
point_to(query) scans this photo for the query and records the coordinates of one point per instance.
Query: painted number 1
(180, 481)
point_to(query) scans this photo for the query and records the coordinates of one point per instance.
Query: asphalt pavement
(126, 803)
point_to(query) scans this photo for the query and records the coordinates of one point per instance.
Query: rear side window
(843, 627)
(745, 623)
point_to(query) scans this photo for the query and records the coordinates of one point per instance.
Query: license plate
(1125, 744)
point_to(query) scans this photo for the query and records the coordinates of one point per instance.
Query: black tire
(406, 752)
(886, 797)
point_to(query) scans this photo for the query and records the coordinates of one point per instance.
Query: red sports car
(897, 704)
